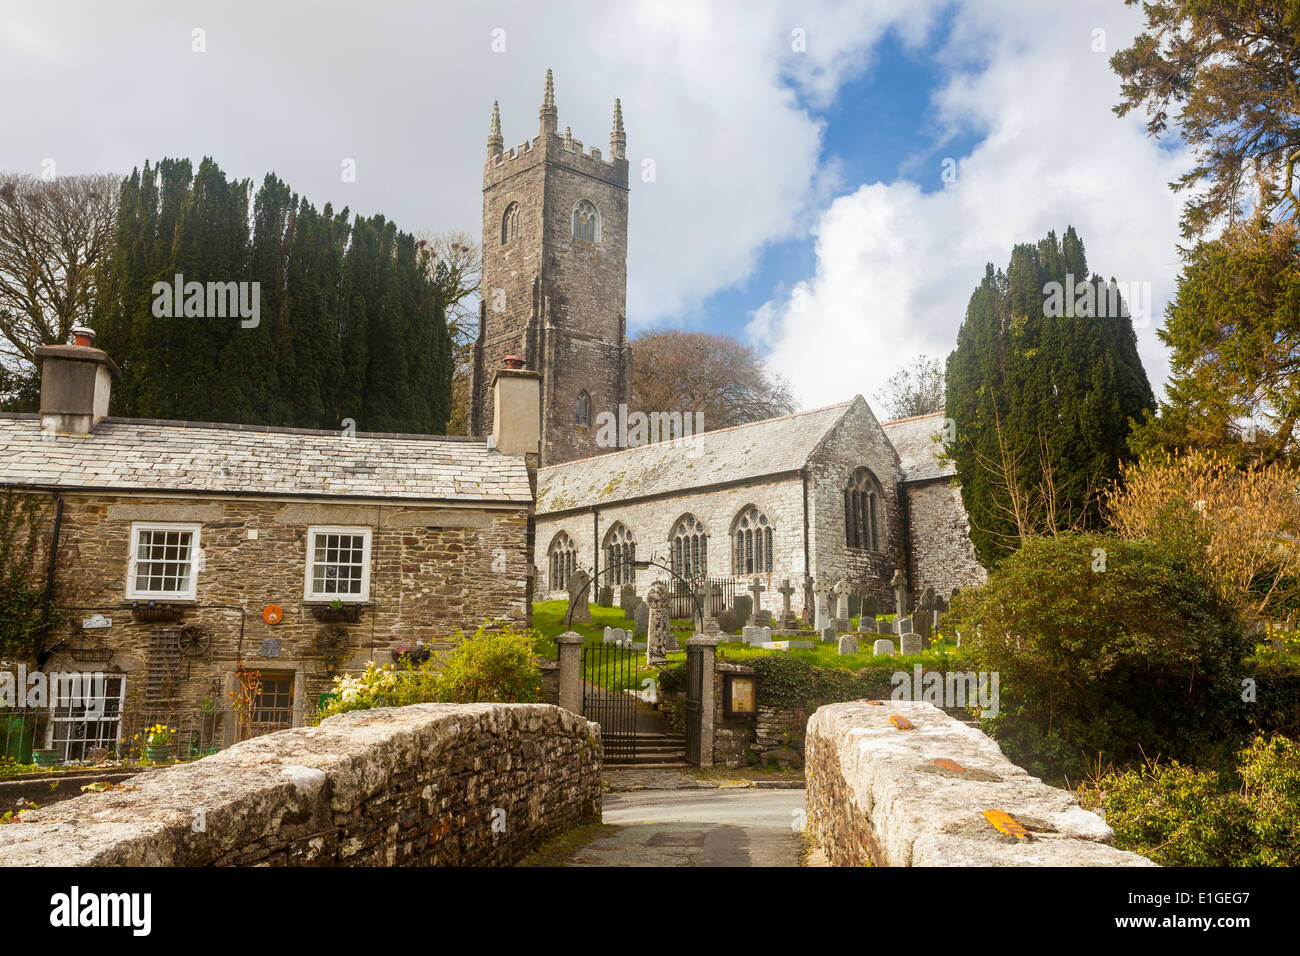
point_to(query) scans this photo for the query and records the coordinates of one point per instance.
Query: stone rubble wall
(875, 796)
(428, 784)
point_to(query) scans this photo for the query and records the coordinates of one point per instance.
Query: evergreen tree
(350, 323)
(1041, 387)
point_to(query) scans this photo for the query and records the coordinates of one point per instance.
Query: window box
(337, 613)
(156, 613)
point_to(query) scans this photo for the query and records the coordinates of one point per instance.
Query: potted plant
(153, 613)
(158, 742)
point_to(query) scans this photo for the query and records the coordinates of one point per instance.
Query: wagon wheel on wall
(194, 640)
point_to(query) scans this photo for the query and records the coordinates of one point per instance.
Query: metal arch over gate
(607, 671)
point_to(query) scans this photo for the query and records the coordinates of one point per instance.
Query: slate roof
(918, 449)
(771, 447)
(146, 455)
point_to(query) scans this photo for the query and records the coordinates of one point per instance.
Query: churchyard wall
(429, 784)
(875, 795)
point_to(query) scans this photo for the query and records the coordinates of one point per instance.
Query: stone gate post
(703, 648)
(570, 647)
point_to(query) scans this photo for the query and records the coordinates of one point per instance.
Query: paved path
(698, 827)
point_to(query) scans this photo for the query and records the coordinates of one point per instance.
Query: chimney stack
(76, 384)
(517, 409)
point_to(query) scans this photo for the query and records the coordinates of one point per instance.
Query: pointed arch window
(688, 547)
(583, 415)
(751, 538)
(586, 221)
(510, 224)
(862, 511)
(620, 553)
(563, 559)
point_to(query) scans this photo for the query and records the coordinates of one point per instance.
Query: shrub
(22, 536)
(488, 667)
(1246, 815)
(492, 667)
(1239, 527)
(1141, 656)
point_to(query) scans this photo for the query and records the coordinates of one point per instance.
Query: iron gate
(608, 671)
(681, 605)
(694, 703)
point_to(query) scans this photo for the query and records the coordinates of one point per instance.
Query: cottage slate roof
(148, 455)
(918, 447)
(771, 447)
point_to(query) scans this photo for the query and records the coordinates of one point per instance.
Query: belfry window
(586, 222)
(583, 416)
(510, 224)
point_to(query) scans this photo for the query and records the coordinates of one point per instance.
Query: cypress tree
(1041, 397)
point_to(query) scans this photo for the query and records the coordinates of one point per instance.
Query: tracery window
(862, 506)
(586, 222)
(620, 553)
(563, 559)
(688, 546)
(751, 538)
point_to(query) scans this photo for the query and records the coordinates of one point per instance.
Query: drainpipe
(807, 563)
(41, 655)
(595, 544)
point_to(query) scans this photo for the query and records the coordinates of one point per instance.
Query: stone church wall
(651, 521)
(942, 554)
(858, 440)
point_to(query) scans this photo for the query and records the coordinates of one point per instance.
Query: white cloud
(896, 265)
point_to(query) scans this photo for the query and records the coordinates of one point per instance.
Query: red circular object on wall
(273, 614)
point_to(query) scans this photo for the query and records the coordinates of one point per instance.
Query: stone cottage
(181, 549)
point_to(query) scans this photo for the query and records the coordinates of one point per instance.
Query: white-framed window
(85, 713)
(338, 564)
(165, 561)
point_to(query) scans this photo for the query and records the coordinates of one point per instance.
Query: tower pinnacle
(495, 142)
(549, 114)
(617, 137)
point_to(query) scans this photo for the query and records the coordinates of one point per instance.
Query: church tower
(554, 285)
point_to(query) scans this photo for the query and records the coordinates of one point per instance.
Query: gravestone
(870, 606)
(659, 633)
(626, 595)
(762, 618)
(641, 619)
(756, 590)
(899, 583)
(754, 634)
(744, 607)
(787, 614)
(629, 609)
(924, 625)
(902, 625)
(884, 646)
(606, 598)
(727, 620)
(828, 634)
(866, 624)
(710, 596)
(841, 624)
(841, 592)
(821, 592)
(579, 593)
(909, 644)
(616, 635)
(848, 644)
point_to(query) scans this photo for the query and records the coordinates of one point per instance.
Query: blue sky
(798, 203)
